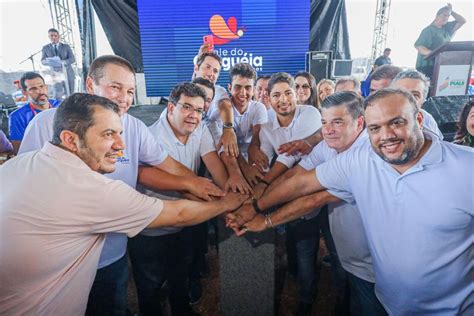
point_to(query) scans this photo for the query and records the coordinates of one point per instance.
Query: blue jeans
(108, 295)
(303, 244)
(363, 299)
(155, 260)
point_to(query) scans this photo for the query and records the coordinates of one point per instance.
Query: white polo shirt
(140, 147)
(306, 121)
(54, 213)
(419, 225)
(344, 218)
(198, 145)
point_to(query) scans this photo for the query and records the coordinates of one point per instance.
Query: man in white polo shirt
(113, 77)
(51, 237)
(419, 231)
(291, 122)
(343, 130)
(162, 254)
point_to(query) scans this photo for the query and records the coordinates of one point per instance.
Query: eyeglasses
(189, 108)
(305, 87)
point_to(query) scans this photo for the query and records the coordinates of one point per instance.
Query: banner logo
(224, 32)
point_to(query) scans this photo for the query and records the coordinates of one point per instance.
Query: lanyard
(34, 110)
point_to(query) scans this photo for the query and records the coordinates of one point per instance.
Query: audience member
(348, 84)
(465, 132)
(306, 92)
(261, 92)
(34, 87)
(383, 59)
(382, 77)
(324, 88)
(5, 145)
(18, 95)
(65, 246)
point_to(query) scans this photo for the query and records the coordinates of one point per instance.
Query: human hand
(236, 183)
(204, 188)
(229, 141)
(257, 224)
(240, 216)
(252, 174)
(205, 48)
(294, 147)
(257, 158)
(233, 200)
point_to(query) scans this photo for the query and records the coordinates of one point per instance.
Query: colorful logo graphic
(444, 84)
(223, 32)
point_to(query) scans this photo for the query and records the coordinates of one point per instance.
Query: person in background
(306, 92)
(324, 89)
(261, 93)
(18, 95)
(382, 77)
(383, 59)
(465, 133)
(34, 87)
(348, 84)
(5, 145)
(439, 32)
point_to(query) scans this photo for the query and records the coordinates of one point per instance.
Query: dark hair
(386, 72)
(354, 80)
(203, 56)
(96, 69)
(188, 89)
(263, 77)
(387, 50)
(313, 98)
(414, 74)
(351, 100)
(76, 114)
(244, 70)
(443, 9)
(461, 125)
(29, 76)
(53, 30)
(206, 83)
(280, 77)
(383, 93)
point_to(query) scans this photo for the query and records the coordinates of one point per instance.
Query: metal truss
(382, 15)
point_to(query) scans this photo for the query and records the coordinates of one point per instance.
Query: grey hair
(414, 74)
(354, 80)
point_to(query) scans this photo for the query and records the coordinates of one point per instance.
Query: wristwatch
(228, 125)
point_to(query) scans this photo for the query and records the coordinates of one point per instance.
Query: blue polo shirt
(19, 119)
(419, 225)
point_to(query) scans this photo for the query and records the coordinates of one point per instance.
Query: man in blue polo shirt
(37, 91)
(420, 232)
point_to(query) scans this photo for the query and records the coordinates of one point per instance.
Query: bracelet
(266, 182)
(255, 206)
(268, 221)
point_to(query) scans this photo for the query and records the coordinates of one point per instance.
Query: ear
(360, 123)
(89, 85)
(196, 68)
(170, 107)
(229, 87)
(69, 140)
(419, 119)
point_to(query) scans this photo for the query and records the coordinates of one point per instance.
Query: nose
(386, 132)
(119, 143)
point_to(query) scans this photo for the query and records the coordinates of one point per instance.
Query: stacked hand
(295, 147)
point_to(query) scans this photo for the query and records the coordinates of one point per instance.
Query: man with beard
(34, 87)
(419, 232)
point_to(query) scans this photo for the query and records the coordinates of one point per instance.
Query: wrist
(256, 208)
(265, 182)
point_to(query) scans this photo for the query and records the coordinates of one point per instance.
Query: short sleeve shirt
(419, 224)
(51, 236)
(433, 37)
(199, 144)
(20, 119)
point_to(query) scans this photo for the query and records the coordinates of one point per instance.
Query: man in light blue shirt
(420, 232)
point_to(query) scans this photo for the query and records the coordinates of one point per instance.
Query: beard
(37, 100)
(409, 153)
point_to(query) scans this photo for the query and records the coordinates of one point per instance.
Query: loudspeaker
(319, 64)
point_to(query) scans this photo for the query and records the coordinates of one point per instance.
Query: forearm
(216, 168)
(277, 170)
(225, 111)
(282, 178)
(315, 138)
(459, 18)
(293, 188)
(231, 165)
(423, 50)
(156, 179)
(301, 207)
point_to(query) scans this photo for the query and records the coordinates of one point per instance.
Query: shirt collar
(64, 156)
(276, 125)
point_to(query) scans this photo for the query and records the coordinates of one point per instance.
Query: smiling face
(325, 90)
(183, 116)
(339, 129)
(209, 69)
(242, 90)
(261, 93)
(117, 84)
(394, 131)
(209, 96)
(102, 143)
(303, 90)
(283, 99)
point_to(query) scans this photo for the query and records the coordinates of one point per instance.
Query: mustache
(389, 140)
